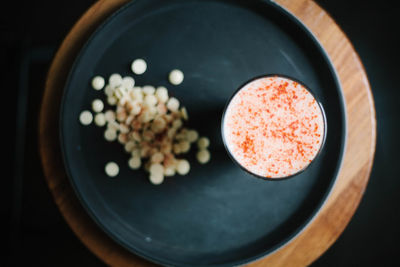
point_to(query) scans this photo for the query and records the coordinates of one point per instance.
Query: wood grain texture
(316, 238)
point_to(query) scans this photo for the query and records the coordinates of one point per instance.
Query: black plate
(218, 214)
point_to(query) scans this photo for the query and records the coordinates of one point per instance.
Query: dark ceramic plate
(218, 214)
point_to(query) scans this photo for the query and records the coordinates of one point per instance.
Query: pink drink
(273, 127)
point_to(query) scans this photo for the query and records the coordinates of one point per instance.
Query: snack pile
(148, 122)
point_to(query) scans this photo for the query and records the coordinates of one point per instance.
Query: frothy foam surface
(273, 127)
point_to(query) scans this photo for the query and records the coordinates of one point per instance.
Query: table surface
(38, 213)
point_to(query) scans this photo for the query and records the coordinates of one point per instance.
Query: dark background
(35, 232)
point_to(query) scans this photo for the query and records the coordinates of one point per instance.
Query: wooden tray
(341, 204)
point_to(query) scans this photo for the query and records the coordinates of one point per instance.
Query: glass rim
(277, 76)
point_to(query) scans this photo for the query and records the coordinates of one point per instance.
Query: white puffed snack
(136, 152)
(129, 146)
(166, 148)
(158, 125)
(156, 168)
(152, 110)
(176, 77)
(113, 125)
(192, 136)
(98, 83)
(110, 135)
(203, 142)
(156, 179)
(128, 82)
(157, 157)
(112, 101)
(86, 117)
(139, 66)
(183, 167)
(185, 146)
(168, 117)
(120, 92)
(203, 156)
(112, 169)
(177, 149)
(177, 123)
(137, 94)
(115, 80)
(148, 135)
(184, 113)
(169, 161)
(148, 90)
(161, 108)
(100, 119)
(173, 104)
(144, 151)
(136, 108)
(122, 138)
(150, 100)
(121, 116)
(135, 162)
(97, 105)
(109, 91)
(129, 119)
(162, 94)
(171, 132)
(123, 128)
(169, 171)
(109, 115)
(146, 117)
(180, 136)
(136, 136)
